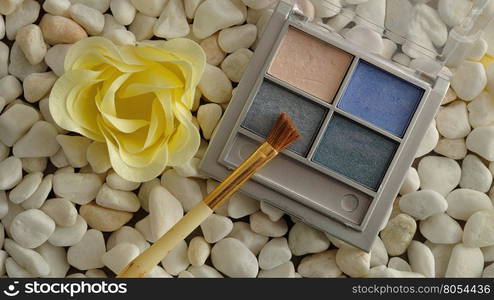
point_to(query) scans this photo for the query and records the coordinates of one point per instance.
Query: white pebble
(27, 13)
(378, 253)
(481, 110)
(402, 59)
(399, 264)
(398, 234)
(119, 256)
(234, 259)
(123, 11)
(304, 239)
(89, 18)
(56, 258)
(389, 49)
(441, 229)
(452, 120)
(254, 241)
(477, 49)
(481, 141)
(241, 205)
(37, 85)
(75, 148)
(101, 5)
(30, 40)
(453, 12)
(215, 85)
(462, 203)
(37, 164)
(186, 190)
(431, 23)
(121, 37)
(371, 13)
(7, 7)
(176, 260)
(189, 168)
(10, 173)
(164, 211)
(479, 229)
(237, 37)
(15, 122)
(216, 227)
(26, 187)
(142, 26)
(95, 273)
(61, 210)
(127, 234)
(78, 188)
(172, 22)
(465, 262)
(144, 192)
(454, 149)
(366, 38)
(157, 272)
(31, 228)
(260, 223)
(421, 259)
(69, 236)
(326, 8)
(320, 265)
(353, 262)
(234, 65)
(411, 183)
(39, 141)
(87, 253)
(99, 160)
(20, 67)
(423, 204)
(39, 196)
(28, 259)
(119, 200)
(286, 270)
(57, 7)
(208, 116)
(55, 57)
(116, 182)
(469, 80)
(475, 175)
(272, 212)
(442, 254)
(440, 174)
(275, 253)
(204, 271)
(152, 8)
(214, 15)
(4, 205)
(198, 252)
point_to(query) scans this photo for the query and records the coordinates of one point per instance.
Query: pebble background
(64, 212)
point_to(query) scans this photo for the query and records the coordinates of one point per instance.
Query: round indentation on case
(349, 202)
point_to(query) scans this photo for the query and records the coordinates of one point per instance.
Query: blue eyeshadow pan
(381, 98)
(273, 99)
(355, 151)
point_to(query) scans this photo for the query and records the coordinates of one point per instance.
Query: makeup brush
(281, 135)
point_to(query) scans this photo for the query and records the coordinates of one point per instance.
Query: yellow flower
(137, 100)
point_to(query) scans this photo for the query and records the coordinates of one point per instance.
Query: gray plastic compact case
(320, 180)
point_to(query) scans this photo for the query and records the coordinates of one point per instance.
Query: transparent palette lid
(429, 34)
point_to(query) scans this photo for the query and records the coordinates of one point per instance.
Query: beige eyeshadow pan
(310, 64)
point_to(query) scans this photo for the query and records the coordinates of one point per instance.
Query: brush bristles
(283, 133)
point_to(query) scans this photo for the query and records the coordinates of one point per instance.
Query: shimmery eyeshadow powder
(273, 99)
(355, 151)
(381, 98)
(310, 64)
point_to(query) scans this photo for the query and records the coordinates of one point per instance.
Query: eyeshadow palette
(361, 120)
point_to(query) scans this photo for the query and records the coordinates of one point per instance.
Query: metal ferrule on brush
(230, 185)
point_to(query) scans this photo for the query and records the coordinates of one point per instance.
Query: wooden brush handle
(153, 255)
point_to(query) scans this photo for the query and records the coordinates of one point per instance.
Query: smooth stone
(234, 65)
(30, 40)
(353, 262)
(25, 14)
(389, 49)
(215, 85)
(399, 264)
(371, 13)
(423, 204)
(260, 223)
(411, 183)
(198, 252)
(488, 271)
(378, 253)
(15, 122)
(61, 210)
(274, 253)
(31, 228)
(120, 256)
(95, 273)
(89, 18)
(366, 38)
(442, 254)
(475, 175)
(176, 261)
(432, 24)
(157, 272)
(39, 141)
(114, 181)
(186, 190)
(87, 253)
(26, 187)
(469, 80)
(440, 174)
(152, 8)
(172, 22)
(142, 27)
(481, 110)
(216, 227)
(77, 187)
(208, 117)
(214, 15)
(204, 271)
(465, 262)
(398, 234)
(69, 236)
(144, 192)
(429, 141)
(57, 7)
(421, 259)
(452, 120)
(454, 149)
(101, 5)
(20, 67)
(453, 12)
(118, 200)
(237, 37)
(75, 148)
(479, 229)
(56, 258)
(121, 37)
(38, 85)
(241, 205)
(190, 7)
(477, 49)
(10, 173)
(252, 240)
(385, 272)
(28, 259)
(99, 160)
(273, 213)
(234, 259)
(123, 11)
(320, 265)
(304, 239)
(441, 229)
(326, 8)
(7, 7)
(481, 141)
(214, 54)
(102, 218)
(462, 203)
(61, 30)
(39, 196)
(55, 57)
(4, 205)
(286, 270)
(164, 211)
(189, 168)
(127, 234)
(4, 60)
